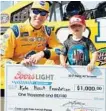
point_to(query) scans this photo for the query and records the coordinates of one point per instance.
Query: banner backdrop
(55, 88)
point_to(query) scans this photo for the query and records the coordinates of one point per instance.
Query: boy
(76, 48)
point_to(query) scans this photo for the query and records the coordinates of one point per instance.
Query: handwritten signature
(74, 104)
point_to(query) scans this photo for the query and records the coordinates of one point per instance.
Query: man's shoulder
(19, 26)
(17, 29)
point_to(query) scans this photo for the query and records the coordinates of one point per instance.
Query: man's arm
(54, 47)
(52, 52)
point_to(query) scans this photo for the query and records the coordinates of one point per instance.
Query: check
(54, 88)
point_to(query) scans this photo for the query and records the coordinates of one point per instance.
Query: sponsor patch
(15, 30)
(48, 30)
(24, 34)
(42, 3)
(32, 39)
(38, 39)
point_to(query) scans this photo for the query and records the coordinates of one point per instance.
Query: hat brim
(77, 23)
(40, 9)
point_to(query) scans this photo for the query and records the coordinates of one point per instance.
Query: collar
(76, 39)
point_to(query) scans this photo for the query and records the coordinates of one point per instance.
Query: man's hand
(26, 62)
(33, 59)
(36, 57)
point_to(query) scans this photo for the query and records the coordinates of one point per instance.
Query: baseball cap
(77, 19)
(41, 5)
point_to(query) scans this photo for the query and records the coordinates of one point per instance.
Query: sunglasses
(41, 12)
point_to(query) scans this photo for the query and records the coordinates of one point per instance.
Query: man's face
(38, 17)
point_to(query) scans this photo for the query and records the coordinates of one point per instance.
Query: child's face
(77, 29)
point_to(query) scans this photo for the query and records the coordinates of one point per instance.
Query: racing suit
(23, 41)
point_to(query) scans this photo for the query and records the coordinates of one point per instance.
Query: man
(32, 43)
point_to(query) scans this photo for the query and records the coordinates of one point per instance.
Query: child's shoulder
(68, 39)
(86, 39)
(69, 36)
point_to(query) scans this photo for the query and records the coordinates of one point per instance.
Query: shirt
(77, 52)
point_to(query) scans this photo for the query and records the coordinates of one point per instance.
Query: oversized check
(54, 88)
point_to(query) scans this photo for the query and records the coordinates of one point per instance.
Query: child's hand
(63, 61)
(90, 67)
(64, 65)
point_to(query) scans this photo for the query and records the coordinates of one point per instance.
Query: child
(76, 48)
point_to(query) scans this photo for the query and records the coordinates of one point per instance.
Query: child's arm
(91, 65)
(63, 60)
(63, 54)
